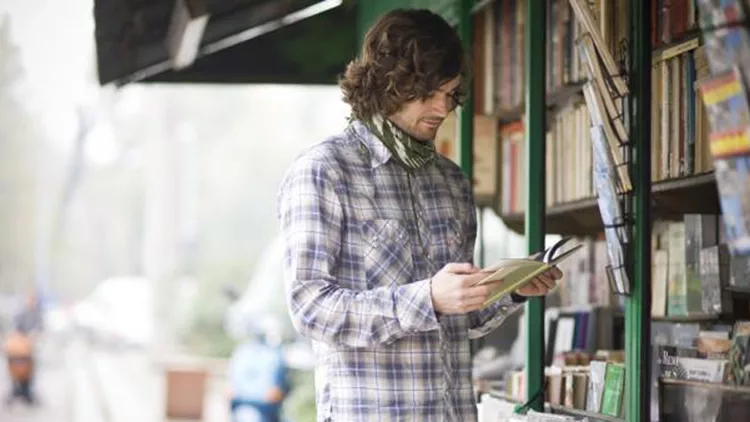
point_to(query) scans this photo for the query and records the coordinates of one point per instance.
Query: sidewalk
(77, 382)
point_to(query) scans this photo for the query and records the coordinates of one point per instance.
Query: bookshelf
(669, 162)
(594, 417)
(554, 100)
(558, 409)
(670, 200)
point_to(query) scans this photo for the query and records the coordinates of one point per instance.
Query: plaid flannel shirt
(363, 237)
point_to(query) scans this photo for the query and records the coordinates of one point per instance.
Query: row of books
(568, 159)
(573, 336)
(691, 268)
(499, 48)
(597, 387)
(671, 20)
(679, 124)
(585, 282)
(715, 353)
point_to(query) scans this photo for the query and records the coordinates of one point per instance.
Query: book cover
(580, 381)
(713, 269)
(693, 242)
(609, 209)
(659, 282)
(661, 335)
(515, 273)
(727, 43)
(597, 371)
(739, 271)
(614, 385)
(733, 182)
(677, 298)
(728, 112)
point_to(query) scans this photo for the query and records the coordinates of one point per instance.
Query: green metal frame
(536, 18)
(465, 125)
(638, 305)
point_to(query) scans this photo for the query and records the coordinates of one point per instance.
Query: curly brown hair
(406, 55)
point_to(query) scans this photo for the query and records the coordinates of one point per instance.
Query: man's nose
(440, 105)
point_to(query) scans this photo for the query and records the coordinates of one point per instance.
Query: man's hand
(274, 395)
(542, 284)
(454, 290)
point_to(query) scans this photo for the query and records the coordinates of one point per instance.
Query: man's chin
(426, 136)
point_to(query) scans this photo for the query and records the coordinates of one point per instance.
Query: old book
(515, 273)
(588, 52)
(614, 386)
(693, 242)
(583, 14)
(713, 273)
(733, 180)
(599, 118)
(597, 371)
(659, 282)
(677, 299)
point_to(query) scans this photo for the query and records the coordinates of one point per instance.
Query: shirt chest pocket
(447, 242)
(387, 253)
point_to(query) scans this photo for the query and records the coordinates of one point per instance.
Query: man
(380, 232)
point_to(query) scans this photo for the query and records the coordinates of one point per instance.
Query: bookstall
(624, 124)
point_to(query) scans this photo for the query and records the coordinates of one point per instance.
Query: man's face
(422, 118)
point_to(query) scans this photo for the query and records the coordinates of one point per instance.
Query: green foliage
(205, 335)
(300, 405)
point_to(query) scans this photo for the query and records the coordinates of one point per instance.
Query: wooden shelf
(554, 408)
(738, 289)
(708, 385)
(554, 99)
(670, 200)
(687, 318)
(501, 394)
(688, 35)
(583, 413)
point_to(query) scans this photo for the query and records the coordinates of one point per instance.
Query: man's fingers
(547, 280)
(473, 279)
(555, 273)
(472, 304)
(460, 268)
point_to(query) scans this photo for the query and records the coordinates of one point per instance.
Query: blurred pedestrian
(19, 350)
(258, 376)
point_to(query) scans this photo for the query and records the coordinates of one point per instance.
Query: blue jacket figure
(258, 381)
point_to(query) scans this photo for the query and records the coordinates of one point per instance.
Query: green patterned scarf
(406, 150)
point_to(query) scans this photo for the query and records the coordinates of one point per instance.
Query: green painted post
(638, 305)
(535, 201)
(466, 112)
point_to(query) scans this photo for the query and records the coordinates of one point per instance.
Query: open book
(514, 273)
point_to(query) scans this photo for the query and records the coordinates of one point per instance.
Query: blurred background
(138, 238)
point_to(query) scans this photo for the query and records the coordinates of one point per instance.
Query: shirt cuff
(516, 298)
(413, 307)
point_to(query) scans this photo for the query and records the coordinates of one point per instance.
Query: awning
(244, 41)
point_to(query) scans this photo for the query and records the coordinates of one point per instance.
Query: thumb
(460, 268)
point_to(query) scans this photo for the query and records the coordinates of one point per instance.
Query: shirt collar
(379, 153)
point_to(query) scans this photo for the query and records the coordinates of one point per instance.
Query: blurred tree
(19, 143)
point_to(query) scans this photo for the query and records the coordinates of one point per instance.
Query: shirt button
(503, 308)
